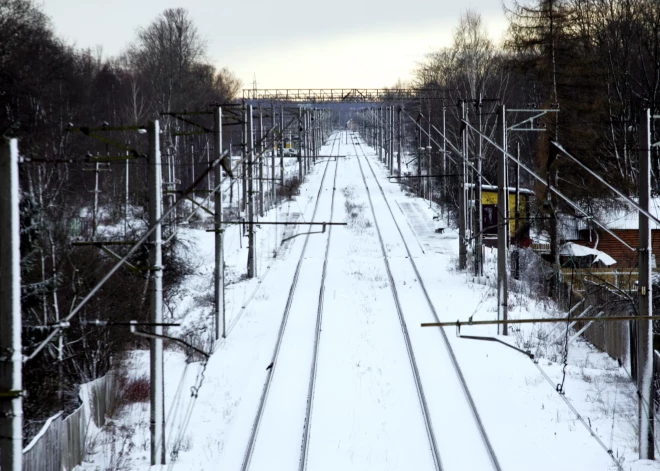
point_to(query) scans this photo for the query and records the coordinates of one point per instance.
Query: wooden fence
(60, 445)
(625, 280)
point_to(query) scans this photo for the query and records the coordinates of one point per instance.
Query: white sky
(288, 43)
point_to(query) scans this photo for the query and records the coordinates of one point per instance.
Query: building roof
(512, 189)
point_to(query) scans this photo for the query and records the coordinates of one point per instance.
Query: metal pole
(308, 143)
(96, 200)
(157, 423)
(420, 155)
(462, 203)
(398, 157)
(11, 357)
(126, 203)
(220, 325)
(390, 125)
(244, 166)
(645, 378)
(502, 221)
(262, 146)
(444, 155)
(516, 254)
(272, 155)
(313, 124)
(478, 219)
(429, 181)
(251, 271)
(282, 145)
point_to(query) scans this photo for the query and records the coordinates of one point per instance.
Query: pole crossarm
(551, 188)
(280, 223)
(92, 132)
(150, 335)
(445, 175)
(537, 114)
(459, 324)
(110, 158)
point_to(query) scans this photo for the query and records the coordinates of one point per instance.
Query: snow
(366, 412)
(627, 217)
(570, 249)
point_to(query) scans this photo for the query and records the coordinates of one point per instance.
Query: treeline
(597, 61)
(47, 87)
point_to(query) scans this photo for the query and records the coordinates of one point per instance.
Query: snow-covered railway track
(453, 443)
(411, 354)
(285, 387)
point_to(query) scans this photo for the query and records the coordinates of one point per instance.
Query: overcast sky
(288, 43)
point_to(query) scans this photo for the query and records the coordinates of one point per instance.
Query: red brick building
(624, 223)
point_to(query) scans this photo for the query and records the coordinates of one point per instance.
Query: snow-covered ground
(366, 412)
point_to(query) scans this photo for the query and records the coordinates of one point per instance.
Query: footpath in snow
(366, 410)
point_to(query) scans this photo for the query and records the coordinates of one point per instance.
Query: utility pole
(462, 203)
(219, 279)
(282, 145)
(379, 132)
(429, 148)
(272, 155)
(261, 162)
(478, 213)
(244, 166)
(420, 154)
(502, 221)
(443, 194)
(398, 157)
(313, 125)
(96, 200)
(516, 253)
(387, 137)
(251, 263)
(308, 143)
(157, 422)
(300, 145)
(645, 381)
(390, 130)
(126, 202)
(11, 356)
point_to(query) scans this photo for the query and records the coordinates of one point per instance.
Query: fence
(614, 338)
(621, 279)
(60, 445)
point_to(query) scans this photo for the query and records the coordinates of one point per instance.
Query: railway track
(445, 341)
(273, 368)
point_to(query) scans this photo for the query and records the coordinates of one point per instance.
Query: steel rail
(450, 350)
(319, 321)
(406, 336)
(285, 317)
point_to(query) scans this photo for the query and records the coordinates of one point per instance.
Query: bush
(135, 390)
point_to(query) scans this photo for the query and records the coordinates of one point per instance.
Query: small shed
(489, 200)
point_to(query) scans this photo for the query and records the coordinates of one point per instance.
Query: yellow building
(489, 203)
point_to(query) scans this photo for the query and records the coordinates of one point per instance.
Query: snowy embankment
(365, 409)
